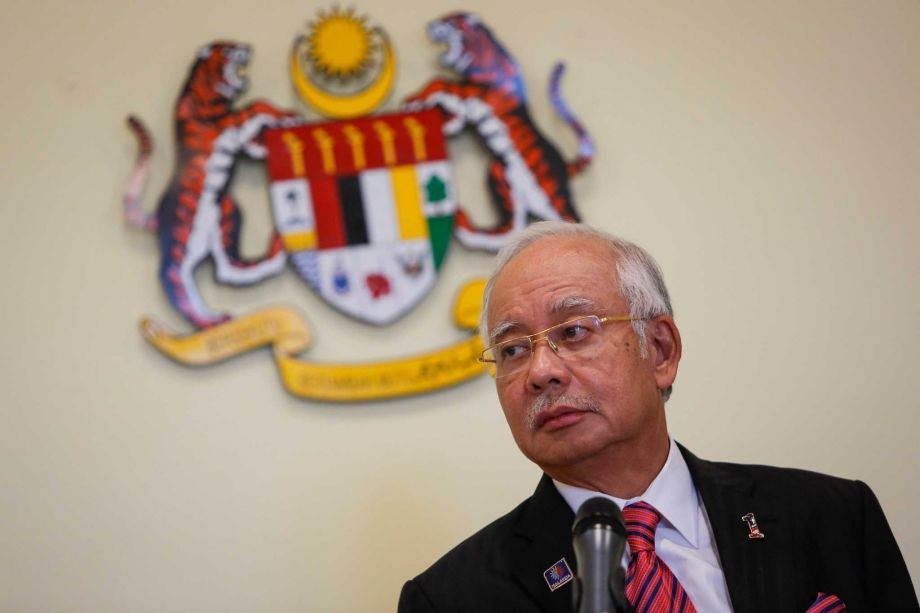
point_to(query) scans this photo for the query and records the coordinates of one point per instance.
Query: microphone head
(599, 512)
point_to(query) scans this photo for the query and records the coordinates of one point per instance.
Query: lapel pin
(753, 530)
(558, 575)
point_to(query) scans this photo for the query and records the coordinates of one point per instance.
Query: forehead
(550, 270)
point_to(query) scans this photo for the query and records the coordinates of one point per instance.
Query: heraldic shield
(365, 208)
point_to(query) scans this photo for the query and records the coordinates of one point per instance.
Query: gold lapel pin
(753, 530)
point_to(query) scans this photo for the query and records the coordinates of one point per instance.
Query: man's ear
(665, 350)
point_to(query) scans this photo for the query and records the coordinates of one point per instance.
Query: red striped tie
(827, 603)
(651, 587)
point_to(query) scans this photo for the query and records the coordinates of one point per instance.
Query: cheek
(597, 380)
(514, 406)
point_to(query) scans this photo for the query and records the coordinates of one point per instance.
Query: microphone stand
(599, 538)
(618, 592)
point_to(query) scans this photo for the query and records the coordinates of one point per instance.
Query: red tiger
(197, 217)
(528, 177)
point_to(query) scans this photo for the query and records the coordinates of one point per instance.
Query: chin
(560, 453)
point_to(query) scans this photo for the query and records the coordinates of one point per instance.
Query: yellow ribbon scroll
(288, 334)
(278, 326)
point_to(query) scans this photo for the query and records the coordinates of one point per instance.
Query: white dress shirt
(684, 539)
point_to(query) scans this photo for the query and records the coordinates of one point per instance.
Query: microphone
(599, 538)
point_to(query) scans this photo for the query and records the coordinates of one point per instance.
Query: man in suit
(584, 350)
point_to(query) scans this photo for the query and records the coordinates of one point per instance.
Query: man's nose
(546, 368)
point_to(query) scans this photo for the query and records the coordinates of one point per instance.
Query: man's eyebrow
(503, 327)
(569, 303)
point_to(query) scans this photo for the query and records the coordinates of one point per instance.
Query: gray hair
(638, 275)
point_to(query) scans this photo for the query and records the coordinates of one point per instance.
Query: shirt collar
(671, 492)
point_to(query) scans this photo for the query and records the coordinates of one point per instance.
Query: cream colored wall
(766, 153)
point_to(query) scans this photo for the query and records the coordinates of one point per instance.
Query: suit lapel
(544, 537)
(760, 573)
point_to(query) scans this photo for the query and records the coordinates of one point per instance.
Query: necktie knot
(641, 520)
(651, 587)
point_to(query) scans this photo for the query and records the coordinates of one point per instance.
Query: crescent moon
(347, 106)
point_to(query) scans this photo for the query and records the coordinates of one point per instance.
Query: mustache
(547, 402)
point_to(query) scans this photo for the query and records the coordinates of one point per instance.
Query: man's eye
(574, 332)
(513, 351)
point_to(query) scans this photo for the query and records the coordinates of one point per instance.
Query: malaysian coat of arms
(364, 204)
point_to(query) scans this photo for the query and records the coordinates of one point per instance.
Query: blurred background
(766, 153)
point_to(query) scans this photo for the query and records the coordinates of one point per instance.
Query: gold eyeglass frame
(532, 338)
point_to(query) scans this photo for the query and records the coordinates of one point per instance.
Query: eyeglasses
(580, 336)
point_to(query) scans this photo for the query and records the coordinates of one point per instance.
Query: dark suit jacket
(821, 534)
